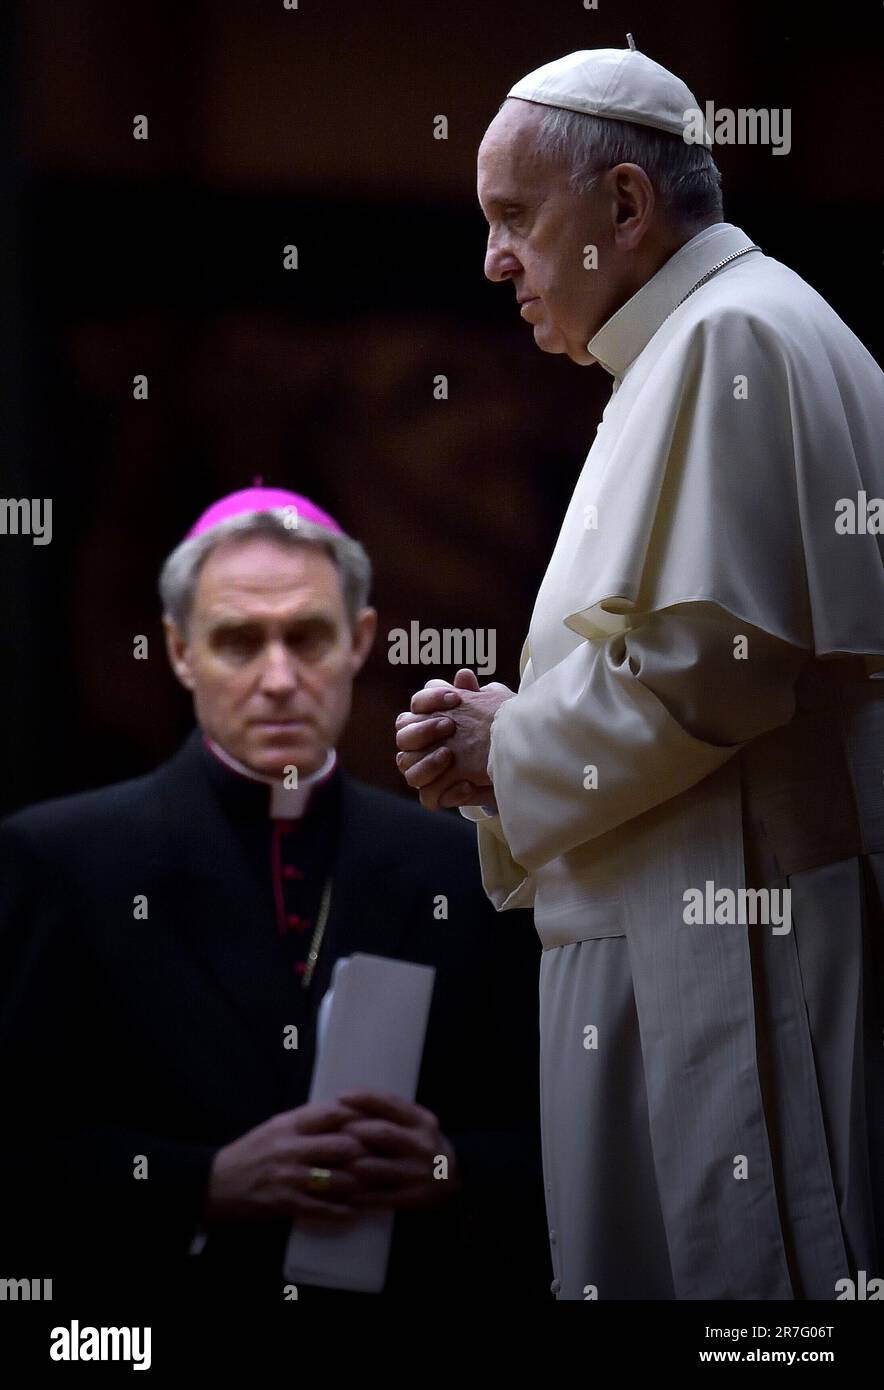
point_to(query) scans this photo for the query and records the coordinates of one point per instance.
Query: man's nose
(500, 263)
(278, 673)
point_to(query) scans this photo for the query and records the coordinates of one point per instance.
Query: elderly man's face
(537, 234)
(270, 655)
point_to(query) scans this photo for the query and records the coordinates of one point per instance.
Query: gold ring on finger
(319, 1180)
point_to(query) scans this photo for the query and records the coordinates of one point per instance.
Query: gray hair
(181, 571)
(685, 177)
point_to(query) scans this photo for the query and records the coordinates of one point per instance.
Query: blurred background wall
(314, 126)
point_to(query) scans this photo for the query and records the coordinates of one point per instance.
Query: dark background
(315, 127)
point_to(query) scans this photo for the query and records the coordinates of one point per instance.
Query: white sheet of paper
(370, 1035)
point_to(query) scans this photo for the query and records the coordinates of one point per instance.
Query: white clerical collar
(619, 341)
(286, 803)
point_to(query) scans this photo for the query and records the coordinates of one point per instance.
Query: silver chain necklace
(703, 278)
(318, 933)
(709, 273)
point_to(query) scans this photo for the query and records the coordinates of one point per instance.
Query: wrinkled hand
(445, 740)
(402, 1142)
(266, 1171)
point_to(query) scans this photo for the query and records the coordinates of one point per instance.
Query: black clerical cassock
(158, 938)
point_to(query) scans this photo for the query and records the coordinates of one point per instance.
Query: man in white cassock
(687, 785)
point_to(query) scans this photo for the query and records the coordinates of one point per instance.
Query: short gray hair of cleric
(180, 573)
(684, 176)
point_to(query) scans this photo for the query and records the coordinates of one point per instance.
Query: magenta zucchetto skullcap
(261, 499)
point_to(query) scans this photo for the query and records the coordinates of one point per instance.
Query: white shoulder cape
(743, 437)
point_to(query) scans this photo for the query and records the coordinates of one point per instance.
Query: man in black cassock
(165, 941)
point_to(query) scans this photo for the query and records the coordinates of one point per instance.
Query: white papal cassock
(698, 713)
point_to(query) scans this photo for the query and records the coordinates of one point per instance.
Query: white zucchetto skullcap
(618, 83)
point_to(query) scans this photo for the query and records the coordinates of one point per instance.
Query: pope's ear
(178, 652)
(364, 632)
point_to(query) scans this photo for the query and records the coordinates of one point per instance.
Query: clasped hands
(444, 741)
(378, 1152)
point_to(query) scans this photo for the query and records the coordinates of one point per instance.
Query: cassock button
(555, 1286)
(296, 923)
(552, 1237)
(289, 871)
(300, 967)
